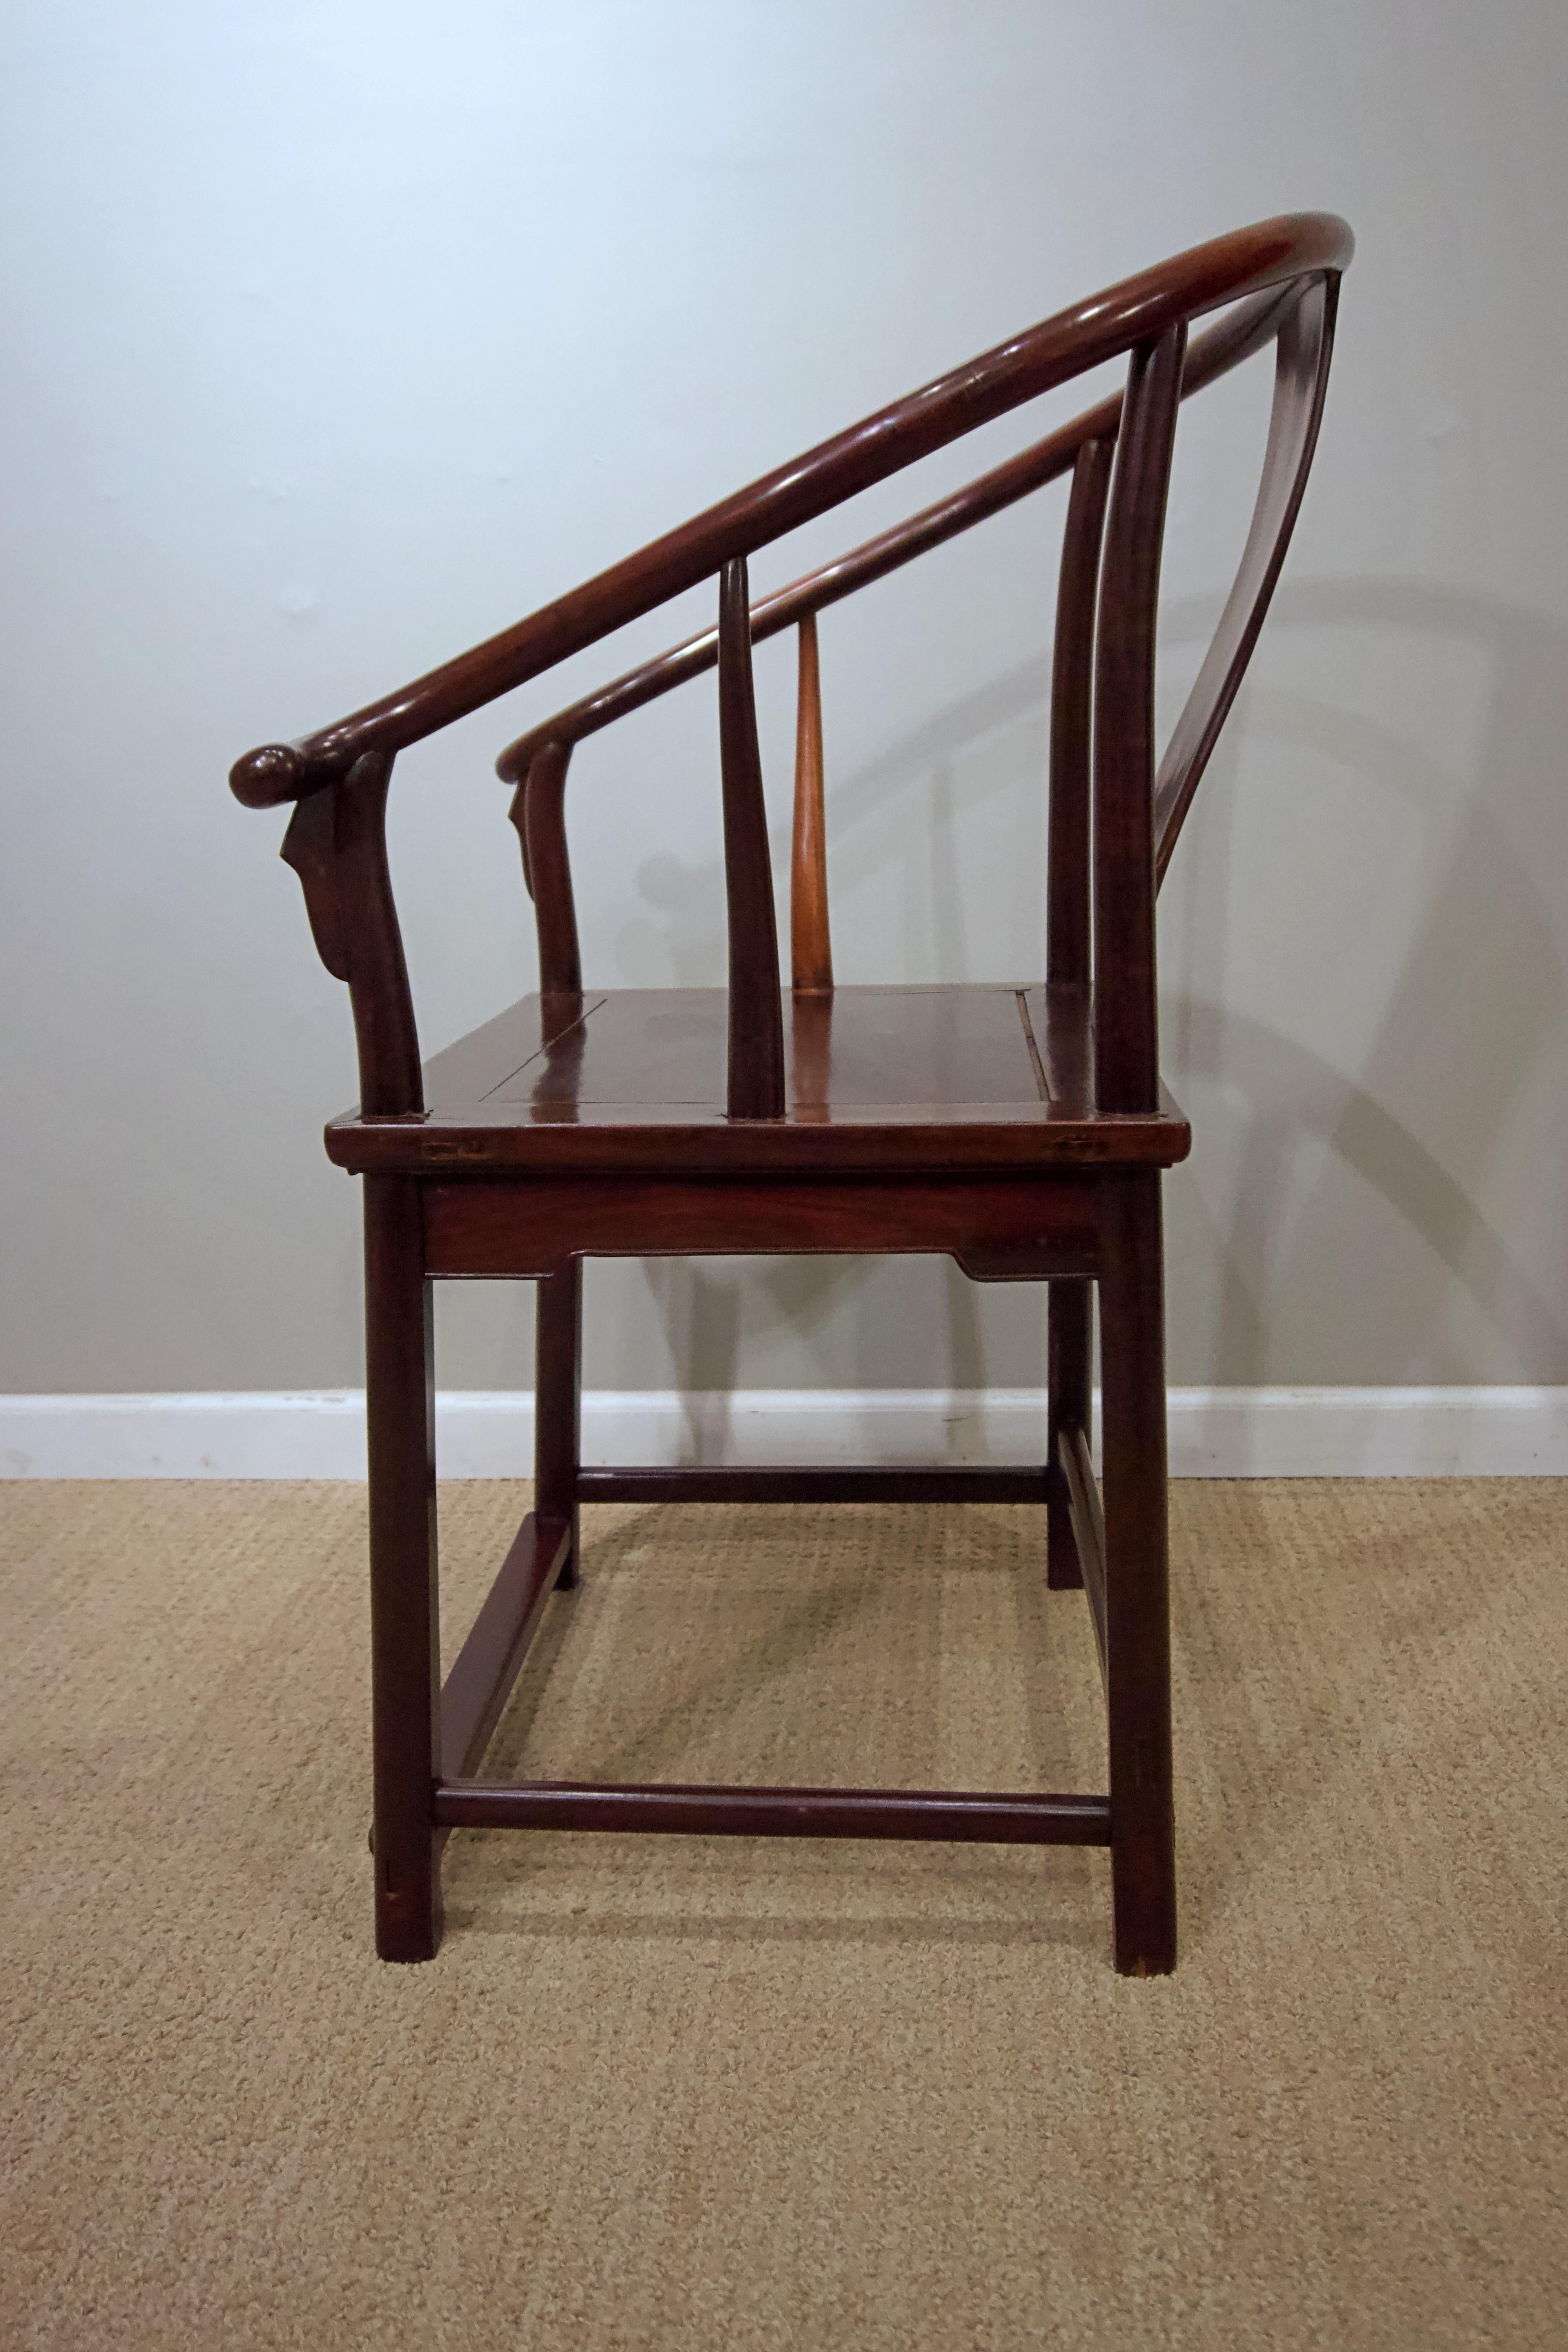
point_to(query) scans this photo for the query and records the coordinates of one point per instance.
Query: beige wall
(342, 337)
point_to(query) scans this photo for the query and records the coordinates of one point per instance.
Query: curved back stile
(1068, 904)
(1126, 1050)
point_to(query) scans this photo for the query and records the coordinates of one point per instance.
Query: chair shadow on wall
(1492, 916)
(1490, 911)
(1477, 1010)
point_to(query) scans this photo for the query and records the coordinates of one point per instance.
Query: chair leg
(405, 1649)
(1067, 1356)
(558, 1406)
(1137, 1599)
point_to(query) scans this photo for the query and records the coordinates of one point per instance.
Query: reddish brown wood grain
(893, 1081)
(479, 1228)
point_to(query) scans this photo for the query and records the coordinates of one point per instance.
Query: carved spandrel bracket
(336, 843)
(310, 846)
(517, 813)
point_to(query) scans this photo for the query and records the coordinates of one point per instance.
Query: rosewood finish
(1022, 1129)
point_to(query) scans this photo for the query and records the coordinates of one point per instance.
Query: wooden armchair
(1020, 1130)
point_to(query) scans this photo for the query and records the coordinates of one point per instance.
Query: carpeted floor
(673, 2093)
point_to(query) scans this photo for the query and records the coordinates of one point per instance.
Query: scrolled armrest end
(268, 777)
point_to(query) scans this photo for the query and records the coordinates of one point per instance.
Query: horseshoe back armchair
(1023, 1131)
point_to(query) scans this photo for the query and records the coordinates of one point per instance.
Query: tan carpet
(670, 2092)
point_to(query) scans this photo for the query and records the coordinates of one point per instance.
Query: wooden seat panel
(636, 1080)
(860, 1048)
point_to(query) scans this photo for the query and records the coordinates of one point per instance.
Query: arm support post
(336, 843)
(539, 813)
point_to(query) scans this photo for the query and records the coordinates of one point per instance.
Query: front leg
(405, 1630)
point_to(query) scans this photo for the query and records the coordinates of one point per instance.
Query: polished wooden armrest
(1137, 312)
(1244, 331)
(1277, 281)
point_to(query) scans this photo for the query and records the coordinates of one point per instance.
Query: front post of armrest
(336, 843)
(539, 813)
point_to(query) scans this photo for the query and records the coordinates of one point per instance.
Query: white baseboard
(1387, 1433)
